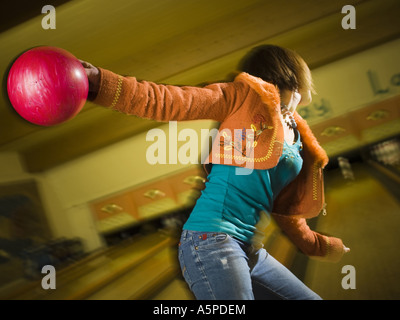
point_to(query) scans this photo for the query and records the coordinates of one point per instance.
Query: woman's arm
(162, 102)
(311, 243)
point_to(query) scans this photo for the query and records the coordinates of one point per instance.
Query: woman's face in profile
(306, 97)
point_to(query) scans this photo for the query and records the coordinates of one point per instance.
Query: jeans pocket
(209, 240)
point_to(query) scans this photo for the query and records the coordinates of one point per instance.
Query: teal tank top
(232, 203)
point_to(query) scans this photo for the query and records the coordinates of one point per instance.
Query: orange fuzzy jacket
(249, 103)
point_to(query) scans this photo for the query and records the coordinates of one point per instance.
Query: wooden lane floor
(142, 282)
(366, 215)
(88, 278)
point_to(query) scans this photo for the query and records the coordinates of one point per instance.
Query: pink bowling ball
(47, 86)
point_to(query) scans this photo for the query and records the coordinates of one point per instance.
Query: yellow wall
(10, 167)
(345, 84)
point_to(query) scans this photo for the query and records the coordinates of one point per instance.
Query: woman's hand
(93, 75)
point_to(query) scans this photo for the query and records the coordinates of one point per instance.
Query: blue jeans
(219, 267)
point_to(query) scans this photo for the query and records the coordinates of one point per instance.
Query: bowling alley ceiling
(168, 41)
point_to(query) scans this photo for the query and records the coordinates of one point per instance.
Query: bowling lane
(135, 269)
(132, 285)
(366, 215)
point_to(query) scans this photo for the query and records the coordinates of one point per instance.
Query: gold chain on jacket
(315, 180)
(117, 93)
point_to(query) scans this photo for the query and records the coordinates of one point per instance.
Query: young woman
(281, 171)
